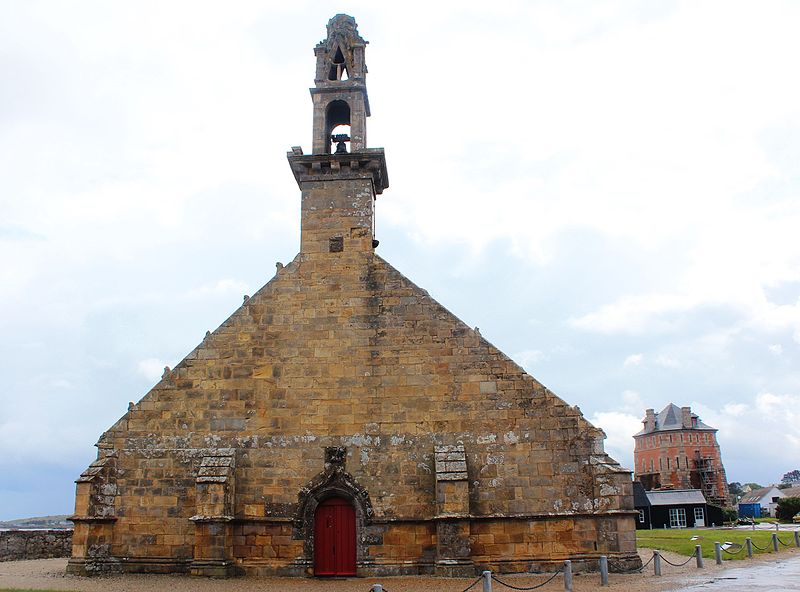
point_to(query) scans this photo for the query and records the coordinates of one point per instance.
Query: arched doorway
(335, 538)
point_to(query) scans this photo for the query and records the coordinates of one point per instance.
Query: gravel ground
(49, 574)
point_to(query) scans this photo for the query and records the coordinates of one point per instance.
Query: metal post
(797, 538)
(775, 541)
(377, 588)
(487, 581)
(603, 570)
(568, 575)
(748, 543)
(718, 553)
(657, 563)
(698, 554)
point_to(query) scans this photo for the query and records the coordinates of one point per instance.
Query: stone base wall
(16, 545)
(503, 545)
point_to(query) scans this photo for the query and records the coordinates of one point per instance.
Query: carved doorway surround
(332, 488)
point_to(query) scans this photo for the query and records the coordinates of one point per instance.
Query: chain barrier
(631, 571)
(637, 569)
(692, 556)
(732, 552)
(472, 585)
(550, 579)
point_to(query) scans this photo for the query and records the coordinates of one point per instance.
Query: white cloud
(634, 315)
(776, 349)
(735, 409)
(619, 428)
(529, 358)
(633, 360)
(151, 368)
(632, 403)
(759, 438)
(667, 361)
(220, 287)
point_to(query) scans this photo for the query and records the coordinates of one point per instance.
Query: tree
(791, 477)
(735, 488)
(787, 508)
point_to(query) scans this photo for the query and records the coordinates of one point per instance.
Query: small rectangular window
(336, 244)
(641, 516)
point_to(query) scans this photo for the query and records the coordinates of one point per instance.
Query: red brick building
(676, 450)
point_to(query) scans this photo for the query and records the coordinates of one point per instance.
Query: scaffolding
(709, 479)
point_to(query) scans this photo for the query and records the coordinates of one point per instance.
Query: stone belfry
(339, 187)
(342, 422)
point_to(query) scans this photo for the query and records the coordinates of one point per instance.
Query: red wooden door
(335, 538)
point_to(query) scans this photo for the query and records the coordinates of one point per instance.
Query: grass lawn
(678, 540)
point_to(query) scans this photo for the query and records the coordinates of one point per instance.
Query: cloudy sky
(609, 190)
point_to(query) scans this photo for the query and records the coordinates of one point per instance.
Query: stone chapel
(342, 422)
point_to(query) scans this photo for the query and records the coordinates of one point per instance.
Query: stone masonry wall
(17, 545)
(341, 350)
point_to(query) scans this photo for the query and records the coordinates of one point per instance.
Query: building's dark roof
(755, 496)
(675, 497)
(670, 419)
(639, 495)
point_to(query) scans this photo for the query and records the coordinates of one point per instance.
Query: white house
(765, 498)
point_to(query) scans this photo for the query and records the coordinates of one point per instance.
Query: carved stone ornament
(333, 481)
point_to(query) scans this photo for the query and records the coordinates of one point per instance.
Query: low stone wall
(34, 544)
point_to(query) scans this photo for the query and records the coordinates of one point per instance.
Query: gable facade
(341, 407)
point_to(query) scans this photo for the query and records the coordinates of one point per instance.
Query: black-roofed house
(682, 508)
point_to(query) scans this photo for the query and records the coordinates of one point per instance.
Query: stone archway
(332, 482)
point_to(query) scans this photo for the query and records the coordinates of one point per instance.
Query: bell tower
(339, 185)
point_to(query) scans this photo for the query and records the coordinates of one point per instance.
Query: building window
(668, 463)
(641, 516)
(336, 244)
(698, 515)
(677, 518)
